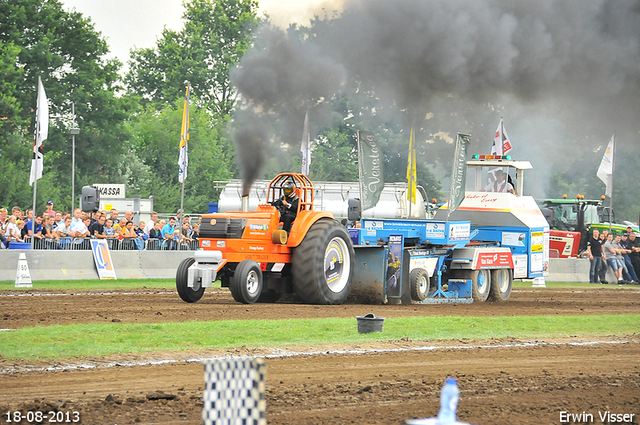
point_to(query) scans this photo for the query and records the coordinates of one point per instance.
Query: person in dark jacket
(287, 205)
(594, 248)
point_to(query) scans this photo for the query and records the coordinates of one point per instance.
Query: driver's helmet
(287, 188)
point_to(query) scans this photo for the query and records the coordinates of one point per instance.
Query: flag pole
(182, 204)
(73, 156)
(35, 180)
(305, 145)
(411, 148)
(360, 169)
(183, 163)
(613, 167)
(33, 220)
(411, 167)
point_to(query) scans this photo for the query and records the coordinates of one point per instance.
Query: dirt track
(30, 308)
(502, 382)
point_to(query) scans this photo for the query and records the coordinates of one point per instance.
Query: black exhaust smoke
(278, 83)
(571, 67)
(250, 141)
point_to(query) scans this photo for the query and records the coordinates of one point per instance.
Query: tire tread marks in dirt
(269, 297)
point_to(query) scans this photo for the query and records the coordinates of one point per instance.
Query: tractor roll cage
(302, 186)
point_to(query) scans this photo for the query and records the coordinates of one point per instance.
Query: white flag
(501, 143)
(41, 134)
(304, 146)
(605, 171)
(501, 146)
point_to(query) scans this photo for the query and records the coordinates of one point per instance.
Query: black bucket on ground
(369, 323)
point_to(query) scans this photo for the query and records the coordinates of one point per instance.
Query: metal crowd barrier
(80, 244)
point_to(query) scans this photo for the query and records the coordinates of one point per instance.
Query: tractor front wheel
(246, 284)
(323, 263)
(190, 295)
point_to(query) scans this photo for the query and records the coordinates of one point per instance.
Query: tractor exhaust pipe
(245, 203)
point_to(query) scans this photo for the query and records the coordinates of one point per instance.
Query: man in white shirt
(81, 229)
(78, 215)
(64, 228)
(500, 184)
(151, 224)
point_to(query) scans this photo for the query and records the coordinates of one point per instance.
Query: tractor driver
(289, 206)
(500, 184)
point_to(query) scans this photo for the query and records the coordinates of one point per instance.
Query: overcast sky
(138, 23)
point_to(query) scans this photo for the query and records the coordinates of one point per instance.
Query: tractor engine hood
(222, 227)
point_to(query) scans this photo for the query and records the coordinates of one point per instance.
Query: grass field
(82, 340)
(58, 342)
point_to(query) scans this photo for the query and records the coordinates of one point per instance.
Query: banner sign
(371, 169)
(394, 265)
(102, 257)
(116, 191)
(435, 230)
(459, 231)
(459, 174)
(493, 259)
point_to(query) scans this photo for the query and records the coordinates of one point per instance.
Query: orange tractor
(259, 261)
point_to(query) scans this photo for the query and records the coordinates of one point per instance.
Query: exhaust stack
(245, 203)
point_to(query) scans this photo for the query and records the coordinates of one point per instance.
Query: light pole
(73, 131)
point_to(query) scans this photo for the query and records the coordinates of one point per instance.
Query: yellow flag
(411, 168)
(183, 160)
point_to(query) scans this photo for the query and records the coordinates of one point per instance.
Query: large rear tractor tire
(480, 283)
(190, 295)
(246, 284)
(501, 283)
(419, 282)
(322, 265)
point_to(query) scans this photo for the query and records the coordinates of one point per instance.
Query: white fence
(74, 265)
(162, 264)
(115, 244)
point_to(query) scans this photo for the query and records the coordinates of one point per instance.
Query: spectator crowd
(60, 230)
(620, 252)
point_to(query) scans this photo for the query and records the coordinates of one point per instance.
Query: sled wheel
(190, 295)
(323, 263)
(480, 282)
(419, 282)
(246, 283)
(501, 283)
